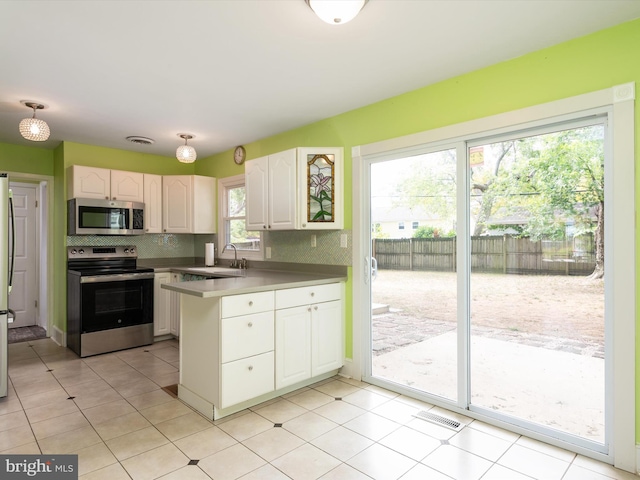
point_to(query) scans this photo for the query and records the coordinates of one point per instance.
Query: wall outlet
(343, 240)
(313, 241)
(268, 252)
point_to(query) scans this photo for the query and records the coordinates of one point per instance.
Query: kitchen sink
(221, 271)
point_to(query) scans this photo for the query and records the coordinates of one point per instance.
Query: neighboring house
(402, 222)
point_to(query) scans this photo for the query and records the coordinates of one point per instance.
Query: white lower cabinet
(174, 308)
(246, 378)
(161, 304)
(309, 339)
(239, 350)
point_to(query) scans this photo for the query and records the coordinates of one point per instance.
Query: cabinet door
(320, 183)
(293, 345)
(327, 350)
(152, 203)
(282, 191)
(127, 186)
(204, 204)
(174, 320)
(89, 182)
(176, 204)
(161, 305)
(256, 178)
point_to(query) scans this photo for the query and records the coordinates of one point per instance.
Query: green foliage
(427, 231)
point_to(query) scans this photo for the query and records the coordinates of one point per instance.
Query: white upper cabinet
(270, 184)
(127, 186)
(88, 182)
(301, 188)
(188, 204)
(152, 203)
(92, 182)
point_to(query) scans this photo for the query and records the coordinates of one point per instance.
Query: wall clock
(238, 155)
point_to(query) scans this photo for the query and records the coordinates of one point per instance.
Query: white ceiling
(234, 71)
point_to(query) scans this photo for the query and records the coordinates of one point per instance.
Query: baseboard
(637, 469)
(59, 336)
(348, 370)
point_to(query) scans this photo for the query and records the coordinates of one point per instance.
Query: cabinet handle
(250, 324)
(251, 303)
(250, 367)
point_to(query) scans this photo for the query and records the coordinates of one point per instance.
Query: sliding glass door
(488, 287)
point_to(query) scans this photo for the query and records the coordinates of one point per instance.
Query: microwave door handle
(13, 241)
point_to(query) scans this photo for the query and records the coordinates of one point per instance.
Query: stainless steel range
(109, 300)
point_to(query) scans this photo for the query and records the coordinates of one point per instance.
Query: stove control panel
(120, 251)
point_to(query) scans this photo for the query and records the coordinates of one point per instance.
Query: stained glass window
(320, 188)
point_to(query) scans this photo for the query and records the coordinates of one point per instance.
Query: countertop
(254, 280)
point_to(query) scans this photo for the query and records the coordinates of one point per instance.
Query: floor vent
(439, 420)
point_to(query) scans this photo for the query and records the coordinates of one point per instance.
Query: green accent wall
(31, 160)
(597, 61)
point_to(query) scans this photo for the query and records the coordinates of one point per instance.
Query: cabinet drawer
(246, 304)
(246, 378)
(246, 335)
(293, 297)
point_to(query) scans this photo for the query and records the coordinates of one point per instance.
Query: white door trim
(46, 282)
(621, 102)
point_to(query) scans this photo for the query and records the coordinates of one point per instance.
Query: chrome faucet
(234, 264)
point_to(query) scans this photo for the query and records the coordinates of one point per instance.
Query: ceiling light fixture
(336, 12)
(186, 153)
(33, 128)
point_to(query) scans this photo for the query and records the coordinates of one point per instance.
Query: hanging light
(336, 12)
(33, 128)
(186, 153)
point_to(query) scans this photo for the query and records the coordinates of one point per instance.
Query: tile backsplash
(286, 246)
(149, 245)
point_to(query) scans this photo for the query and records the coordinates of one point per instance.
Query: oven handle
(122, 277)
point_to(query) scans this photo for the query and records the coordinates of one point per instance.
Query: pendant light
(186, 153)
(336, 12)
(33, 128)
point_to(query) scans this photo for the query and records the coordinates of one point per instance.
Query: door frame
(620, 104)
(37, 193)
(45, 280)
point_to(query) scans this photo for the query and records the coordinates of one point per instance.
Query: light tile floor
(111, 411)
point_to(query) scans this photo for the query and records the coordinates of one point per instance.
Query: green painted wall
(32, 160)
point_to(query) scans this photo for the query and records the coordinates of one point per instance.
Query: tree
(556, 180)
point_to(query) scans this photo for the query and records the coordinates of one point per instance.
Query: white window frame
(619, 104)
(224, 184)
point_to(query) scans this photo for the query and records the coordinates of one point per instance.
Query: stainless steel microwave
(89, 216)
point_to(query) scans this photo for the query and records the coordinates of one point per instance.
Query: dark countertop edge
(229, 286)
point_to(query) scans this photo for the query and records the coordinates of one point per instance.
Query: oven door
(114, 304)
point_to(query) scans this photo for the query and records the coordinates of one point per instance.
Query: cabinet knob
(250, 324)
(313, 294)
(250, 367)
(114, 198)
(269, 226)
(264, 226)
(251, 303)
(315, 308)
(304, 225)
(106, 198)
(308, 309)
(164, 230)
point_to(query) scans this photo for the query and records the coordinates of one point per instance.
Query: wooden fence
(504, 254)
